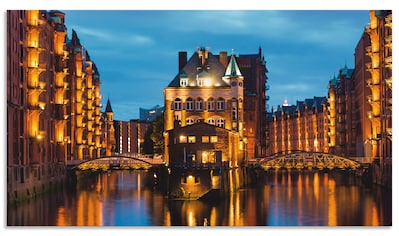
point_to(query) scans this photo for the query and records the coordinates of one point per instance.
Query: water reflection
(125, 198)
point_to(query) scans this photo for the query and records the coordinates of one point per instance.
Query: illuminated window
(205, 139)
(199, 104)
(214, 139)
(220, 122)
(234, 113)
(211, 104)
(191, 139)
(183, 82)
(220, 104)
(190, 121)
(189, 104)
(211, 121)
(177, 104)
(183, 139)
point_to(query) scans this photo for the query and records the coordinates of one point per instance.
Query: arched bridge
(304, 160)
(123, 162)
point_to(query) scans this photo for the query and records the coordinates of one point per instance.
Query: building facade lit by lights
(373, 77)
(299, 127)
(129, 136)
(359, 106)
(84, 125)
(341, 113)
(53, 101)
(205, 93)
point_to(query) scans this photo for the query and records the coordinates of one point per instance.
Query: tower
(109, 130)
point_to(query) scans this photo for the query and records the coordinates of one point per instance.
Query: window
(190, 121)
(205, 139)
(190, 104)
(182, 139)
(191, 139)
(211, 104)
(199, 82)
(199, 104)
(211, 121)
(220, 104)
(220, 122)
(234, 114)
(214, 139)
(183, 82)
(177, 104)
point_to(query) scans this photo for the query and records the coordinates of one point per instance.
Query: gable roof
(212, 68)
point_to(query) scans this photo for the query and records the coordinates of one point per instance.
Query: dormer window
(183, 82)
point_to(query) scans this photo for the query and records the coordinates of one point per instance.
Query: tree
(157, 134)
(153, 139)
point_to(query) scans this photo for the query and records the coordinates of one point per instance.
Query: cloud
(113, 37)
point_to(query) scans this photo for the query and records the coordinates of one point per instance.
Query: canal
(281, 198)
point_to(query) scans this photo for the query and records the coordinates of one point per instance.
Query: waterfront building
(36, 85)
(373, 77)
(206, 80)
(299, 127)
(204, 90)
(108, 131)
(84, 131)
(253, 68)
(130, 136)
(150, 114)
(341, 107)
(53, 102)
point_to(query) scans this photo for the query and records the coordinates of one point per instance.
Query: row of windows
(193, 139)
(200, 105)
(218, 122)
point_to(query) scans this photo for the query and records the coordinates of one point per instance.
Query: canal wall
(34, 182)
(206, 184)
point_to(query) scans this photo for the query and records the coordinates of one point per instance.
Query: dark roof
(108, 107)
(211, 67)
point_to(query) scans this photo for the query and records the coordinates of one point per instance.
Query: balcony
(388, 62)
(38, 86)
(371, 115)
(40, 106)
(369, 51)
(389, 133)
(389, 103)
(389, 82)
(388, 41)
(388, 21)
(370, 99)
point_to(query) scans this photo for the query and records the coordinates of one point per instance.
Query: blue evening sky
(136, 51)
(135, 46)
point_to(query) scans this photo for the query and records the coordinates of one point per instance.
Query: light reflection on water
(123, 198)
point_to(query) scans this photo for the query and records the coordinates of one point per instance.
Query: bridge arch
(307, 160)
(114, 162)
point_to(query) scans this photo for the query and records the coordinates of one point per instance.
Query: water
(123, 198)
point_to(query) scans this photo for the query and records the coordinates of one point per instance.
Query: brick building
(53, 102)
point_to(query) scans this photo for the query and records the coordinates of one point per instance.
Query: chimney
(182, 60)
(223, 58)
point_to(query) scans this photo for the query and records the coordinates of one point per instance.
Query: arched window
(211, 104)
(220, 104)
(220, 122)
(211, 121)
(199, 104)
(190, 121)
(177, 104)
(189, 104)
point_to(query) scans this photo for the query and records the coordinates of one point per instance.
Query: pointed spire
(108, 107)
(232, 68)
